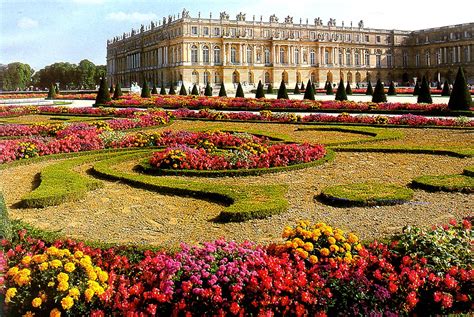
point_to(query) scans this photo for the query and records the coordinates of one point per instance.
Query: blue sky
(41, 32)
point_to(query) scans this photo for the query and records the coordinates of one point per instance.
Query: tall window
(378, 60)
(267, 56)
(438, 56)
(233, 55)
(217, 78)
(194, 30)
(312, 57)
(326, 57)
(427, 58)
(267, 77)
(205, 54)
(206, 78)
(282, 56)
(195, 77)
(249, 55)
(466, 54)
(417, 59)
(389, 59)
(206, 30)
(367, 58)
(194, 54)
(357, 58)
(341, 60)
(405, 59)
(297, 56)
(348, 57)
(217, 54)
(217, 31)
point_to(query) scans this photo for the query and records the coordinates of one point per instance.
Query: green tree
(154, 91)
(17, 76)
(379, 93)
(208, 90)
(259, 93)
(446, 91)
(118, 91)
(348, 89)
(461, 98)
(103, 95)
(391, 89)
(172, 91)
(195, 91)
(309, 92)
(145, 90)
(222, 92)
(51, 92)
(240, 92)
(329, 90)
(296, 91)
(341, 91)
(425, 95)
(86, 75)
(182, 91)
(370, 90)
(163, 90)
(269, 89)
(282, 93)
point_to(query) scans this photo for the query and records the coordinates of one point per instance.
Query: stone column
(224, 54)
(459, 54)
(240, 53)
(468, 57)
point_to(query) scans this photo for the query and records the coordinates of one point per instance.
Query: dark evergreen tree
(446, 91)
(51, 92)
(240, 92)
(296, 91)
(461, 98)
(172, 91)
(425, 95)
(329, 90)
(111, 90)
(282, 93)
(260, 93)
(118, 91)
(182, 90)
(341, 91)
(145, 90)
(379, 93)
(195, 91)
(391, 89)
(348, 89)
(326, 85)
(314, 87)
(309, 92)
(416, 89)
(370, 90)
(163, 90)
(208, 90)
(103, 95)
(222, 92)
(302, 86)
(154, 91)
(270, 89)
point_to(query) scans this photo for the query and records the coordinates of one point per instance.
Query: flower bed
(317, 271)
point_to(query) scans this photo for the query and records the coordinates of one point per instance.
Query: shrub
(222, 92)
(329, 90)
(446, 91)
(379, 93)
(391, 89)
(416, 90)
(302, 86)
(103, 95)
(270, 89)
(341, 91)
(348, 89)
(51, 92)
(425, 95)
(282, 93)
(370, 90)
(172, 91)
(296, 91)
(240, 92)
(154, 90)
(260, 93)
(208, 90)
(195, 91)
(182, 91)
(162, 90)
(118, 91)
(145, 90)
(309, 92)
(460, 96)
(111, 90)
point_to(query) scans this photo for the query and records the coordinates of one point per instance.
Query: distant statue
(164, 20)
(224, 15)
(361, 24)
(152, 25)
(241, 16)
(135, 89)
(170, 18)
(332, 22)
(273, 18)
(318, 21)
(142, 28)
(185, 14)
(289, 19)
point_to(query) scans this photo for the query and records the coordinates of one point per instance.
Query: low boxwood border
(447, 183)
(461, 153)
(364, 194)
(469, 171)
(5, 225)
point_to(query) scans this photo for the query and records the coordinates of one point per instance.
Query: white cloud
(131, 17)
(27, 23)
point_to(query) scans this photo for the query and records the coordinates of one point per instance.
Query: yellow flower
(36, 302)
(74, 292)
(91, 275)
(352, 238)
(39, 258)
(287, 232)
(67, 302)
(28, 314)
(358, 247)
(78, 254)
(331, 240)
(103, 276)
(11, 292)
(302, 253)
(52, 251)
(26, 260)
(55, 313)
(339, 237)
(334, 248)
(89, 293)
(308, 246)
(62, 277)
(23, 277)
(69, 267)
(56, 263)
(324, 252)
(63, 286)
(12, 271)
(50, 284)
(43, 266)
(313, 259)
(347, 246)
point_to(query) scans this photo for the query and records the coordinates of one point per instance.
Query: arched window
(235, 77)
(205, 54)
(217, 54)
(341, 60)
(282, 56)
(312, 57)
(326, 56)
(427, 58)
(267, 78)
(367, 58)
(194, 54)
(217, 78)
(249, 55)
(297, 56)
(348, 58)
(389, 58)
(195, 77)
(357, 58)
(233, 55)
(206, 78)
(267, 56)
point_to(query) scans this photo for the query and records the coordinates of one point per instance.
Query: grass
(447, 183)
(469, 171)
(455, 152)
(365, 194)
(5, 226)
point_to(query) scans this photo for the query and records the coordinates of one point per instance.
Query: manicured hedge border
(447, 183)
(146, 168)
(365, 194)
(469, 171)
(461, 153)
(5, 225)
(242, 202)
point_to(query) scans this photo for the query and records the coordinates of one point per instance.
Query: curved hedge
(447, 183)
(365, 194)
(469, 171)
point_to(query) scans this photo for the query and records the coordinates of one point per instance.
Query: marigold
(74, 293)
(55, 313)
(352, 238)
(331, 240)
(89, 293)
(44, 266)
(56, 263)
(308, 246)
(63, 286)
(52, 251)
(334, 248)
(36, 302)
(67, 302)
(69, 267)
(324, 252)
(11, 292)
(78, 254)
(26, 260)
(313, 259)
(28, 314)
(103, 276)
(62, 277)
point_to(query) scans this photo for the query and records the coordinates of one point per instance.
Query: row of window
(451, 55)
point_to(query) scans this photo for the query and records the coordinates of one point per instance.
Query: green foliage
(341, 91)
(282, 93)
(425, 95)
(103, 95)
(51, 92)
(416, 90)
(365, 194)
(260, 93)
(17, 76)
(86, 72)
(309, 92)
(145, 90)
(240, 92)
(446, 91)
(163, 90)
(118, 91)
(222, 92)
(172, 91)
(391, 89)
(208, 90)
(111, 90)
(182, 90)
(348, 89)
(270, 89)
(154, 90)
(379, 93)
(460, 96)
(194, 91)
(469, 171)
(5, 225)
(296, 91)
(329, 90)
(370, 90)
(447, 183)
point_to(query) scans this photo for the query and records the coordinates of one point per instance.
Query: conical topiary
(118, 91)
(391, 89)
(260, 93)
(416, 90)
(103, 95)
(461, 98)
(163, 90)
(379, 93)
(270, 89)
(111, 90)
(208, 90)
(172, 91)
(446, 91)
(438, 85)
(240, 92)
(222, 92)
(154, 91)
(309, 92)
(282, 93)
(326, 85)
(370, 90)
(182, 90)
(314, 87)
(348, 89)
(296, 91)
(341, 91)
(302, 86)
(329, 90)
(195, 91)
(145, 90)
(425, 95)
(51, 92)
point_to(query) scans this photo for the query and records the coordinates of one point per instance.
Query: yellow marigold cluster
(71, 277)
(320, 241)
(254, 148)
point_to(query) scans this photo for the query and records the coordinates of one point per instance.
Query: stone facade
(246, 50)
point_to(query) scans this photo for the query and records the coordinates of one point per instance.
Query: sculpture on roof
(241, 16)
(224, 15)
(361, 24)
(273, 18)
(289, 19)
(318, 21)
(332, 22)
(185, 14)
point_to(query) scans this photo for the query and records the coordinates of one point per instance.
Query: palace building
(223, 50)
